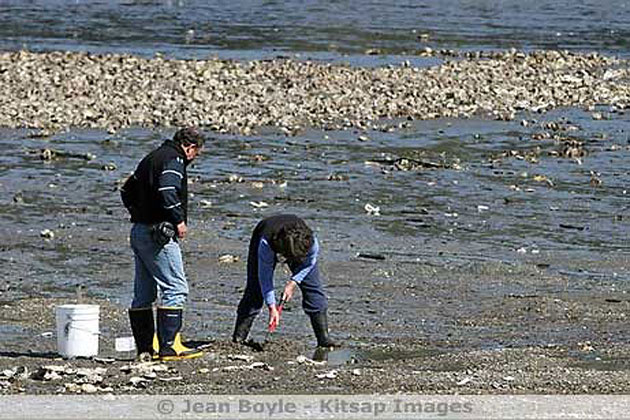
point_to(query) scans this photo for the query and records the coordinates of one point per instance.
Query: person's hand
(274, 317)
(182, 230)
(289, 288)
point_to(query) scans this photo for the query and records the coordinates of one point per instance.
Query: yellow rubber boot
(182, 352)
(156, 347)
(169, 337)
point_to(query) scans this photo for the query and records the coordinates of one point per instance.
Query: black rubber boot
(321, 354)
(143, 328)
(319, 321)
(242, 328)
(169, 325)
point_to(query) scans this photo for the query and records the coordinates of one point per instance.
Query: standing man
(277, 238)
(156, 196)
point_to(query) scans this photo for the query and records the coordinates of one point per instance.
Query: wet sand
(405, 327)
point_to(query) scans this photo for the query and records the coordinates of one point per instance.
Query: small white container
(125, 344)
(77, 330)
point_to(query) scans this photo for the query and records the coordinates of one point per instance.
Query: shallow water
(497, 209)
(321, 29)
(348, 356)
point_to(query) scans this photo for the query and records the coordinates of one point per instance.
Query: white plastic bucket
(77, 330)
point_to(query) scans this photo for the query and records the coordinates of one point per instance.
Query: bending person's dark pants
(313, 298)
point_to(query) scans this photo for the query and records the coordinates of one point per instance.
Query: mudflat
(469, 255)
(405, 327)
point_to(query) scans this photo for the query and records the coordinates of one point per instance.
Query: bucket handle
(66, 330)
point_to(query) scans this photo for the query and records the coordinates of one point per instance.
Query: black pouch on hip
(162, 233)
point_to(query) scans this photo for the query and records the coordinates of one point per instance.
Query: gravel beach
(388, 348)
(53, 91)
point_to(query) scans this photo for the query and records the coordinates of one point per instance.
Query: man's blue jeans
(157, 268)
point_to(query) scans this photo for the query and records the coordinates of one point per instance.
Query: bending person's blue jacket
(267, 263)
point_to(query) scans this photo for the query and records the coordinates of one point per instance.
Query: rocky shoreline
(287, 366)
(62, 90)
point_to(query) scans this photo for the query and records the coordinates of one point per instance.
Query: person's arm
(169, 190)
(302, 270)
(266, 266)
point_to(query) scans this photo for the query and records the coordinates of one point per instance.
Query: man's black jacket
(158, 189)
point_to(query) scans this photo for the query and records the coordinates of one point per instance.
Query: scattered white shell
(243, 357)
(227, 259)
(258, 204)
(171, 379)
(306, 361)
(136, 380)
(328, 375)
(206, 204)
(372, 210)
(464, 381)
(89, 388)
(47, 234)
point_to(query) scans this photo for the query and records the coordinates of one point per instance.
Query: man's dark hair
(189, 136)
(294, 241)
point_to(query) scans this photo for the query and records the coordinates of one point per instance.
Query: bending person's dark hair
(294, 241)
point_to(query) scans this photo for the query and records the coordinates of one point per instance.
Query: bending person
(283, 238)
